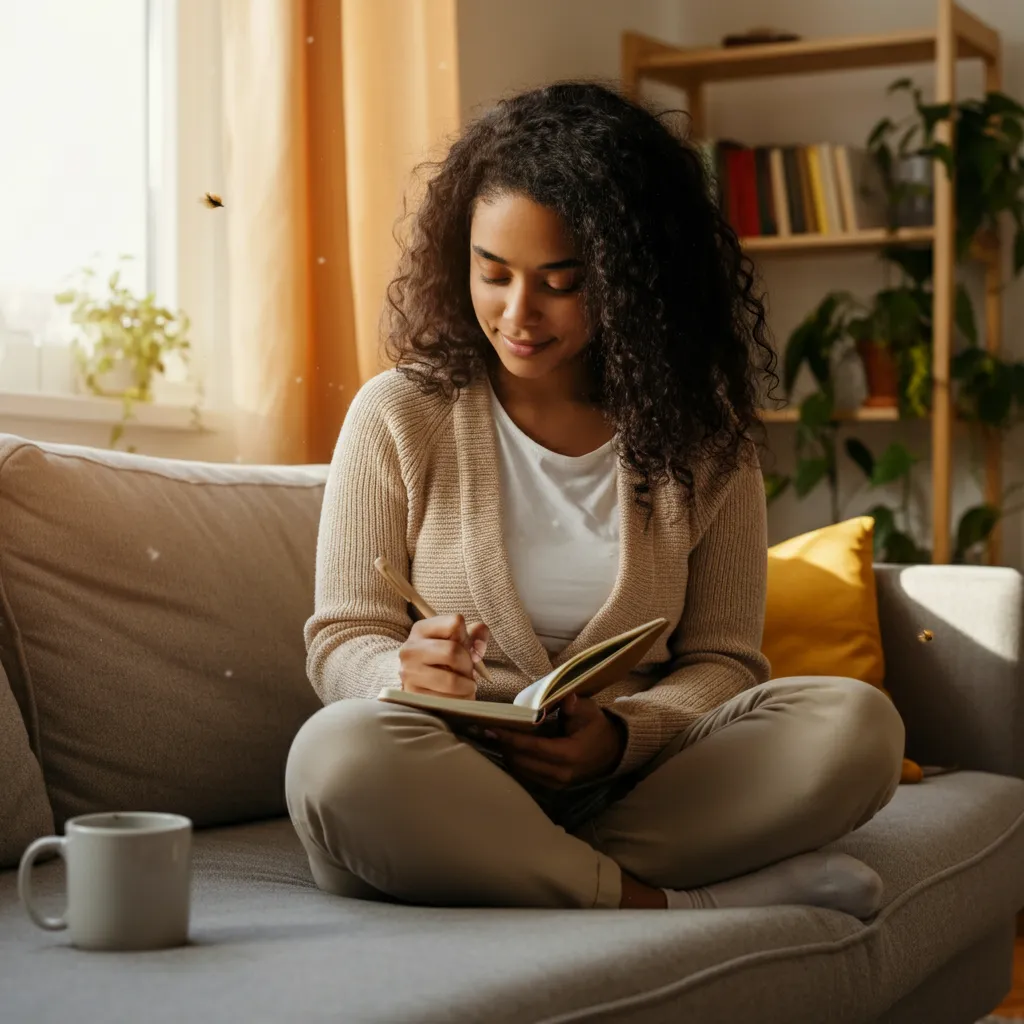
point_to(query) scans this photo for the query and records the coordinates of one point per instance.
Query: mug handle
(54, 844)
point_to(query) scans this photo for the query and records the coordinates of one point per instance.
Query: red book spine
(749, 213)
(732, 195)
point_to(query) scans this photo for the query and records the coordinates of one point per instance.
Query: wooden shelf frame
(685, 68)
(956, 35)
(865, 414)
(849, 242)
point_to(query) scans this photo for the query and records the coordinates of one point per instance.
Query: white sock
(817, 879)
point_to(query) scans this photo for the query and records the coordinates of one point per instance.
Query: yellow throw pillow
(821, 617)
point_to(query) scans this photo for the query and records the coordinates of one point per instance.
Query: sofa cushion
(25, 812)
(268, 946)
(152, 625)
(821, 611)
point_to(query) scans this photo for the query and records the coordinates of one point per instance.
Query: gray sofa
(151, 642)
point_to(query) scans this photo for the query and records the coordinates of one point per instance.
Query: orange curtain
(328, 104)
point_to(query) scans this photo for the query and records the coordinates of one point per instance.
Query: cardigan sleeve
(358, 622)
(716, 647)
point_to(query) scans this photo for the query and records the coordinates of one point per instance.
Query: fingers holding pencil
(474, 638)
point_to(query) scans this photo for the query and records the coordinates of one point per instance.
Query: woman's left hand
(592, 746)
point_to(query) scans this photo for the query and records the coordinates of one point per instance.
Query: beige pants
(390, 804)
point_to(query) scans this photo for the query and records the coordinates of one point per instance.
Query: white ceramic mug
(129, 878)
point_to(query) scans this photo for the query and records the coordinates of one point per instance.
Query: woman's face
(525, 284)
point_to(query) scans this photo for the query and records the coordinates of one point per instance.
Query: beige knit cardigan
(415, 478)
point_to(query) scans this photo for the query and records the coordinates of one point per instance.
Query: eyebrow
(557, 265)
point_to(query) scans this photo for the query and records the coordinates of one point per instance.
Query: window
(73, 181)
(110, 133)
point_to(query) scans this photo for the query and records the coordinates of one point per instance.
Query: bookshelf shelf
(865, 414)
(874, 239)
(956, 35)
(684, 67)
(985, 249)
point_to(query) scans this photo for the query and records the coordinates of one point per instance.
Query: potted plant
(892, 336)
(893, 339)
(124, 343)
(986, 161)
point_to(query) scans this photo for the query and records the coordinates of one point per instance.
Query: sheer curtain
(328, 106)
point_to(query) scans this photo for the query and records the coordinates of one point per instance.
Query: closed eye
(551, 288)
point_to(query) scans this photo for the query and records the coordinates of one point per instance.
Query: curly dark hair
(680, 347)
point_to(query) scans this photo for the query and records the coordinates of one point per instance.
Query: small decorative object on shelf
(124, 343)
(759, 36)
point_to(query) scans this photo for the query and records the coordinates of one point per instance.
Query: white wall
(507, 47)
(503, 47)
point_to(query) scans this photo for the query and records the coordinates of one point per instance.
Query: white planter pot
(113, 383)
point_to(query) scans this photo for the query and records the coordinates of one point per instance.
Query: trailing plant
(122, 331)
(893, 539)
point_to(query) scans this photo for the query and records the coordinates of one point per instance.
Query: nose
(520, 310)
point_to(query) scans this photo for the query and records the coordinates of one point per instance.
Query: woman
(565, 452)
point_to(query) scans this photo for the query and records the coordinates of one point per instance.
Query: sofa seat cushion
(268, 946)
(151, 626)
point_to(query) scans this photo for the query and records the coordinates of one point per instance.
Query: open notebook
(585, 674)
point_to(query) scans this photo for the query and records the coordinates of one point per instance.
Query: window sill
(93, 409)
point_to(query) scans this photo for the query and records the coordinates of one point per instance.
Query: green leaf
(965, 315)
(885, 524)
(1000, 103)
(995, 402)
(879, 130)
(940, 151)
(859, 453)
(903, 145)
(932, 114)
(816, 410)
(964, 365)
(975, 526)
(774, 485)
(894, 463)
(900, 548)
(915, 263)
(899, 85)
(1013, 134)
(916, 380)
(809, 473)
(796, 353)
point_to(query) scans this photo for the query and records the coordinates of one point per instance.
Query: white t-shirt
(561, 529)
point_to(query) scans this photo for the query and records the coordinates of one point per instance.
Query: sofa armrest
(961, 694)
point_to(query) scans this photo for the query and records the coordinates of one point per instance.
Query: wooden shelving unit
(957, 35)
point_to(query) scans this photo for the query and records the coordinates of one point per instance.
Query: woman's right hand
(436, 658)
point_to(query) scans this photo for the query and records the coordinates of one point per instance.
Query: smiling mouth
(524, 348)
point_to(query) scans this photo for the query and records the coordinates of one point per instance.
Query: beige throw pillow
(24, 809)
(158, 607)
